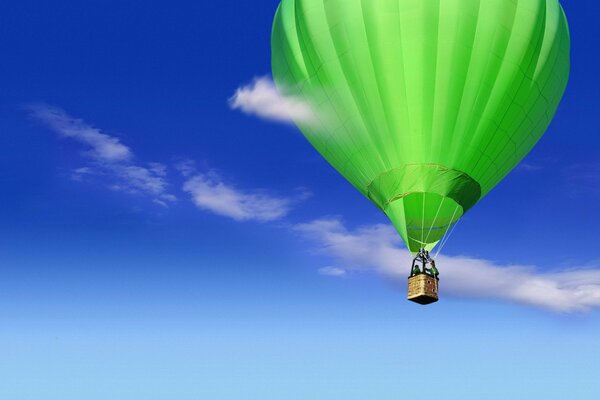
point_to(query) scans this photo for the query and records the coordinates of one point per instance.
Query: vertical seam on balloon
(494, 72)
(301, 34)
(434, 85)
(501, 164)
(386, 160)
(305, 59)
(382, 155)
(435, 82)
(364, 123)
(403, 55)
(288, 39)
(459, 109)
(558, 50)
(532, 61)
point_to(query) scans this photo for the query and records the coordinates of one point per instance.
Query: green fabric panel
(423, 101)
(420, 178)
(423, 200)
(411, 213)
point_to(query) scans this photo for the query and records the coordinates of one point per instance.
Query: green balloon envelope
(423, 105)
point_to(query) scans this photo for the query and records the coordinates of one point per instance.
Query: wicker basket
(423, 289)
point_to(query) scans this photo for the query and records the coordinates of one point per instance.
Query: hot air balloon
(423, 105)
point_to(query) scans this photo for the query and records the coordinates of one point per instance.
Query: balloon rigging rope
(423, 222)
(448, 234)
(435, 219)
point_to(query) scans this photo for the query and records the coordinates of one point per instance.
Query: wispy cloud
(102, 147)
(210, 193)
(378, 248)
(106, 156)
(332, 271)
(261, 98)
(583, 179)
(187, 167)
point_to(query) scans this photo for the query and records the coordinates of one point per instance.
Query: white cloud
(103, 147)
(136, 179)
(332, 271)
(79, 173)
(210, 192)
(187, 167)
(379, 248)
(107, 156)
(261, 98)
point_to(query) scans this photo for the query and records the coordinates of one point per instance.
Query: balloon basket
(423, 289)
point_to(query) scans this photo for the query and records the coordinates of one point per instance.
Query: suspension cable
(448, 234)
(423, 220)
(435, 219)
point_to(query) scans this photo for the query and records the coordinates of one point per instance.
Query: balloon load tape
(423, 289)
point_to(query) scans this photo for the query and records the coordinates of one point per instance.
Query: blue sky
(157, 244)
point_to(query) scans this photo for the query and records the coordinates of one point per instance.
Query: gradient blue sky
(115, 284)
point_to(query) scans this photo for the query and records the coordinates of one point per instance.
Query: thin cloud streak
(332, 271)
(102, 147)
(107, 156)
(262, 99)
(209, 192)
(378, 248)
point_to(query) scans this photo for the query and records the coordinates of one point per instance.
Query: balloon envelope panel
(424, 106)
